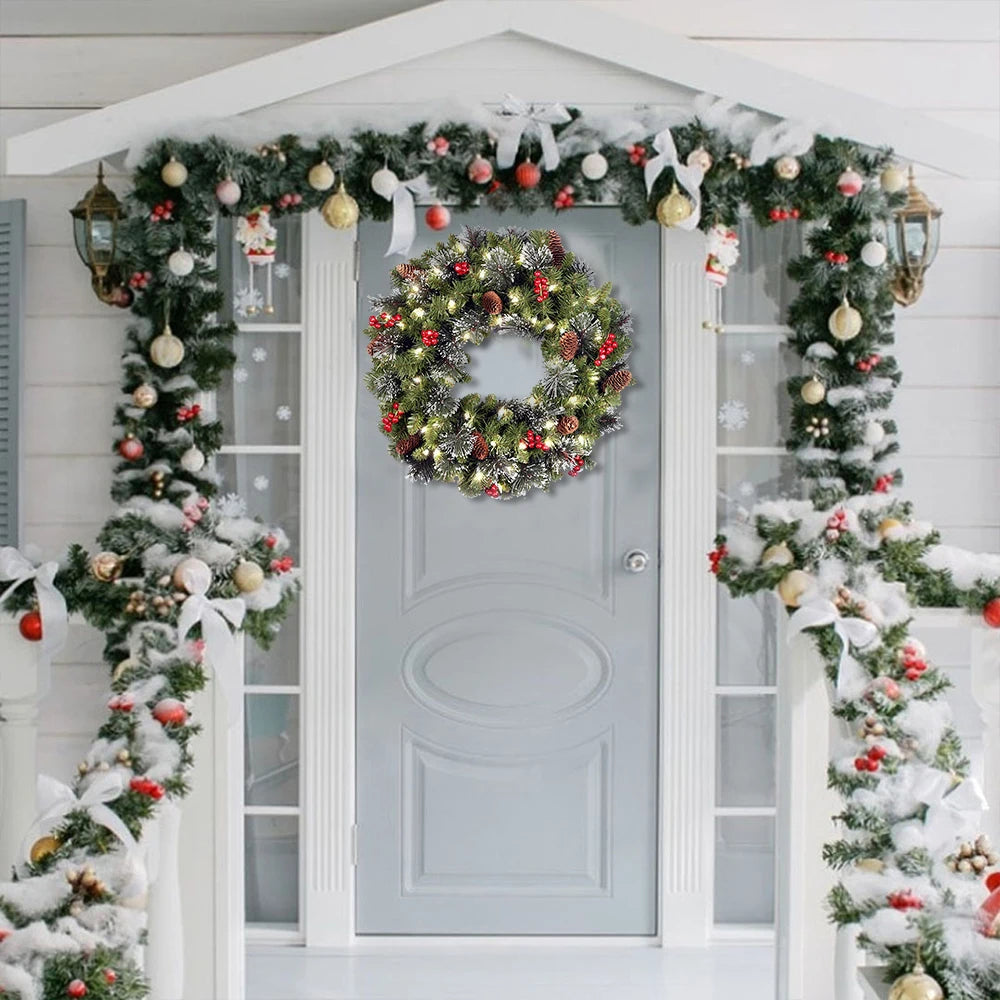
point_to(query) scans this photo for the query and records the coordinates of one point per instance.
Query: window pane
(745, 750)
(759, 289)
(270, 486)
(746, 479)
(271, 758)
(246, 298)
(272, 869)
(747, 628)
(280, 663)
(259, 402)
(744, 870)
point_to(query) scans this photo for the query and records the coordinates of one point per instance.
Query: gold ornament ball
(787, 168)
(916, 985)
(845, 322)
(777, 555)
(145, 396)
(674, 208)
(893, 179)
(813, 391)
(106, 566)
(248, 577)
(42, 848)
(174, 173)
(166, 350)
(793, 586)
(887, 526)
(321, 176)
(340, 210)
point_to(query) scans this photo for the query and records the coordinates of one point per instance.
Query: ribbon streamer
(51, 603)
(689, 178)
(517, 116)
(851, 676)
(221, 648)
(404, 215)
(57, 800)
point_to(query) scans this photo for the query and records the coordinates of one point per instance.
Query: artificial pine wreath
(456, 296)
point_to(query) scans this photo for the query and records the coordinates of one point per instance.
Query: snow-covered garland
(458, 294)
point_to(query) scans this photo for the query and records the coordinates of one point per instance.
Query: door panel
(507, 662)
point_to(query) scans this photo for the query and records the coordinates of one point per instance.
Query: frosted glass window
(744, 870)
(759, 290)
(270, 486)
(272, 869)
(246, 303)
(743, 480)
(271, 754)
(747, 627)
(744, 745)
(280, 663)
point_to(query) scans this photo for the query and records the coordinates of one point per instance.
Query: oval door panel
(546, 670)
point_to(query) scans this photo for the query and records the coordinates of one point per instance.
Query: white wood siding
(898, 51)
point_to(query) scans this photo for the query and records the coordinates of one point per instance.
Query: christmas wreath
(457, 295)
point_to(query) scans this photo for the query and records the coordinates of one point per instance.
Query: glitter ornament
(794, 585)
(527, 174)
(248, 577)
(813, 391)
(384, 182)
(892, 179)
(106, 566)
(777, 555)
(340, 210)
(844, 322)
(787, 168)
(131, 448)
(42, 848)
(174, 173)
(916, 985)
(145, 396)
(594, 166)
(193, 460)
(321, 176)
(674, 208)
(180, 263)
(480, 170)
(166, 350)
(228, 192)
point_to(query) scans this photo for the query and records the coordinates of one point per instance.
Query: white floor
(720, 973)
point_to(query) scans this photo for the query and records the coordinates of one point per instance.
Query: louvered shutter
(12, 214)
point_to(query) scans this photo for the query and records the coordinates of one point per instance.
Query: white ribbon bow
(946, 803)
(851, 676)
(404, 214)
(51, 603)
(221, 649)
(57, 800)
(689, 178)
(517, 116)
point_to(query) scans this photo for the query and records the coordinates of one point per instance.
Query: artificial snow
(890, 927)
(926, 721)
(966, 568)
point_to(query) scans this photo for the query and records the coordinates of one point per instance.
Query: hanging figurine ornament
(258, 237)
(498, 448)
(723, 251)
(340, 210)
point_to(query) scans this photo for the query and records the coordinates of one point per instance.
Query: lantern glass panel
(102, 239)
(80, 238)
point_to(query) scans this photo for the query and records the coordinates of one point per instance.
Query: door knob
(635, 561)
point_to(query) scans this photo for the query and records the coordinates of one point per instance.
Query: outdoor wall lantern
(95, 233)
(913, 237)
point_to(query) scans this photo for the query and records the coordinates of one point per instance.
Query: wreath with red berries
(453, 297)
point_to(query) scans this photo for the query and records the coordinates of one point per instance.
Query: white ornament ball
(893, 179)
(228, 192)
(174, 173)
(248, 577)
(787, 168)
(385, 182)
(700, 158)
(166, 350)
(873, 253)
(193, 460)
(321, 176)
(192, 575)
(594, 166)
(180, 263)
(874, 433)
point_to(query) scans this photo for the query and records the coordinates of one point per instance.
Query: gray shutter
(12, 252)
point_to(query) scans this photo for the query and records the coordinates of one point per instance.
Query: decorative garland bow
(517, 116)
(946, 802)
(404, 215)
(57, 800)
(689, 178)
(851, 676)
(51, 603)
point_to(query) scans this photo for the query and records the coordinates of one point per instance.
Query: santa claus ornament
(259, 239)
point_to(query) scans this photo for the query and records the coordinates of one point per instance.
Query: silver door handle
(635, 561)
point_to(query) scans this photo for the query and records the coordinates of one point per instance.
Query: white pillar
(986, 691)
(164, 959)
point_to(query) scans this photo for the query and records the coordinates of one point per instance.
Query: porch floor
(515, 973)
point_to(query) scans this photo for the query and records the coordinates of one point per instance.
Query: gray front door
(507, 661)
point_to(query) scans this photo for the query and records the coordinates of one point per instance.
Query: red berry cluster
(541, 287)
(270, 541)
(871, 760)
(495, 185)
(288, 199)
(146, 786)
(913, 663)
(905, 899)
(715, 557)
(140, 280)
(531, 440)
(429, 337)
(162, 212)
(383, 321)
(391, 418)
(867, 364)
(186, 413)
(121, 702)
(833, 257)
(836, 525)
(461, 268)
(609, 346)
(637, 155)
(781, 214)
(564, 197)
(884, 483)
(492, 490)
(439, 145)
(578, 463)
(282, 565)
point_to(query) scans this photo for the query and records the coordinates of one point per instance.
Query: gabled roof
(449, 23)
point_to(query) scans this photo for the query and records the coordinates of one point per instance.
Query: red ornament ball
(437, 217)
(123, 297)
(131, 449)
(110, 977)
(480, 170)
(528, 174)
(991, 613)
(77, 988)
(30, 626)
(170, 711)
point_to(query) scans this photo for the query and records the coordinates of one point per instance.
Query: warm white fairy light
(416, 379)
(553, 288)
(418, 351)
(418, 313)
(549, 424)
(452, 305)
(550, 325)
(482, 273)
(573, 401)
(515, 298)
(477, 476)
(522, 446)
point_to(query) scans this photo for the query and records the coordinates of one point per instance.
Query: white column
(986, 691)
(689, 594)
(164, 959)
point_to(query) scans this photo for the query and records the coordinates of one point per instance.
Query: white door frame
(687, 610)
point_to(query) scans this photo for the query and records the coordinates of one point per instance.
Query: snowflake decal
(746, 489)
(734, 415)
(231, 505)
(259, 354)
(283, 413)
(748, 358)
(261, 483)
(240, 374)
(282, 270)
(245, 300)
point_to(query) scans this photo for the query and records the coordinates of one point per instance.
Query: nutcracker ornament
(259, 239)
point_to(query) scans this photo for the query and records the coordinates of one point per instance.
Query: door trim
(687, 602)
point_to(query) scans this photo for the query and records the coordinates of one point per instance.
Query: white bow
(689, 178)
(57, 800)
(852, 678)
(51, 603)
(946, 802)
(221, 649)
(517, 116)
(404, 215)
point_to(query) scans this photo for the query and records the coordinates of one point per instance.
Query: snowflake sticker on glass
(733, 415)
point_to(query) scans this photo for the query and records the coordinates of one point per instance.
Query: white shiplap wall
(899, 51)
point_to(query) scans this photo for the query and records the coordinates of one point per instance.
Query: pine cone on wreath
(569, 344)
(480, 449)
(617, 381)
(381, 343)
(568, 424)
(405, 445)
(408, 272)
(556, 246)
(492, 303)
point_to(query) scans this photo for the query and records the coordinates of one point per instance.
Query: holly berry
(148, 787)
(492, 490)
(270, 541)
(637, 155)
(461, 268)
(527, 174)
(392, 417)
(30, 626)
(891, 689)
(578, 463)
(877, 753)
(429, 337)
(383, 321)
(715, 557)
(905, 899)
(541, 285)
(121, 703)
(833, 257)
(533, 441)
(884, 483)
(861, 763)
(77, 988)
(287, 200)
(282, 565)
(140, 280)
(564, 197)
(439, 145)
(991, 613)
(609, 346)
